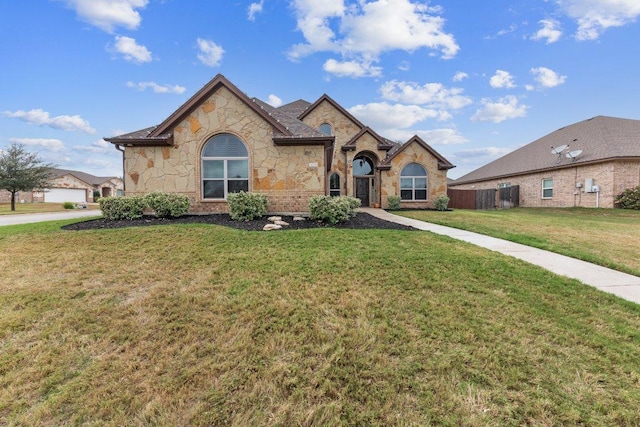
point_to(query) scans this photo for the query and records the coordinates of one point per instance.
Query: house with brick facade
(585, 164)
(221, 141)
(67, 185)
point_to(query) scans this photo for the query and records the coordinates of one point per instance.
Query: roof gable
(600, 138)
(443, 164)
(326, 98)
(82, 176)
(383, 144)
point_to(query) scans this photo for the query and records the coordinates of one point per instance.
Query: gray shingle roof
(295, 126)
(600, 138)
(83, 176)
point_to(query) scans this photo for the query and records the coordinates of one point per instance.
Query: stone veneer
(612, 177)
(288, 175)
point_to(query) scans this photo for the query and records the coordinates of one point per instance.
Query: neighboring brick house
(69, 186)
(601, 161)
(221, 141)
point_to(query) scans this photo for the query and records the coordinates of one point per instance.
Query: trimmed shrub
(629, 199)
(441, 203)
(247, 206)
(394, 202)
(167, 205)
(96, 196)
(68, 205)
(333, 210)
(115, 208)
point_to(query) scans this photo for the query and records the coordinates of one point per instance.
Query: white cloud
(156, 87)
(383, 115)
(47, 144)
(547, 78)
(474, 153)
(505, 108)
(550, 31)
(351, 68)
(99, 147)
(364, 30)
(131, 50)
(502, 79)
(596, 16)
(274, 101)
(42, 118)
(434, 95)
(210, 53)
(254, 9)
(460, 76)
(109, 14)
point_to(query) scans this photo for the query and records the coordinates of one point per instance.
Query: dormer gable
(382, 144)
(443, 164)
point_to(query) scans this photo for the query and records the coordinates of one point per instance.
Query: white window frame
(547, 188)
(413, 185)
(225, 179)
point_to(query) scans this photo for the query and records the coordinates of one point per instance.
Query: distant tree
(22, 171)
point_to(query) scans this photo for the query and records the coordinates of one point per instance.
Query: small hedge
(167, 205)
(629, 199)
(69, 205)
(247, 206)
(441, 203)
(333, 210)
(116, 208)
(394, 202)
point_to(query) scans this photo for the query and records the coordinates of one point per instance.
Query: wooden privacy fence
(491, 198)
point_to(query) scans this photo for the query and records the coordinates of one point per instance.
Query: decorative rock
(279, 222)
(271, 227)
(298, 218)
(275, 218)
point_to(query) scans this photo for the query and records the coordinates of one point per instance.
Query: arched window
(362, 166)
(225, 167)
(334, 185)
(326, 129)
(413, 182)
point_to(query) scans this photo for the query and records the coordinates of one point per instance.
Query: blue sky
(475, 79)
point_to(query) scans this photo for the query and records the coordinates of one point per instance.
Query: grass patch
(24, 208)
(601, 236)
(204, 325)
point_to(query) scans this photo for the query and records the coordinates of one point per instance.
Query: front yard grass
(204, 325)
(22, 208)
(608, 237)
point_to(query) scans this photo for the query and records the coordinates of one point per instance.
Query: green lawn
(607, 237)
(203, 325)
(22, 208)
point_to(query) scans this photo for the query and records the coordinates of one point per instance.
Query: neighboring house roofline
(337, 106)
(443, 164)
(87, 178)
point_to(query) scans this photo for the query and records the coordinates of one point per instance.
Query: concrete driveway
(51, 216)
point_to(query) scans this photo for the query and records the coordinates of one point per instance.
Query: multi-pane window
(225, 167)
(547, 188)
(413, 182)
(334, 185)
(326, 129)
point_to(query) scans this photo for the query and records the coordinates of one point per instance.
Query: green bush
(115, 208)
(68, 205)
(441, 203)
(333, 209)
(247, 206)
(167, 205)
(629, 199)
(394, 202)
(96, 196)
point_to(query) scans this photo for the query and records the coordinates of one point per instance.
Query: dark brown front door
(362, 190)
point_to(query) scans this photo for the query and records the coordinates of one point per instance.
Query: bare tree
(22, 171)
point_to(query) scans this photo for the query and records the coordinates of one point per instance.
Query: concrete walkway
(49, 216)
(621, 284)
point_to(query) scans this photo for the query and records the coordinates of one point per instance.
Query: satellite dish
(574, 154)
(558, 150)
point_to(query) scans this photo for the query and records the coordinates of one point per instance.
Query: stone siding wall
(436, 179)
(278, 171)
(611, 177)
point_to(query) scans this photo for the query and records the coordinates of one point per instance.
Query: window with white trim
(334, 185)
(547, 188)
(225, 167)
(413, 182)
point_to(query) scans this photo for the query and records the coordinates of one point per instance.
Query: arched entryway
(364, 181)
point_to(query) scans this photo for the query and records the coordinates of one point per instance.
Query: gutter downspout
(124, 182)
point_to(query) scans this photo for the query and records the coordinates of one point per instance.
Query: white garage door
(60, 195)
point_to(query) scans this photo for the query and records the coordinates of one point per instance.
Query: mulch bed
(360, 221)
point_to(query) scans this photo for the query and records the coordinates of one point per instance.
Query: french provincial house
(221, 141)
(585, 164)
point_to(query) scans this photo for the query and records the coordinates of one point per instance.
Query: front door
(362, 190)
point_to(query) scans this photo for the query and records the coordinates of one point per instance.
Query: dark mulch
(360, 221)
